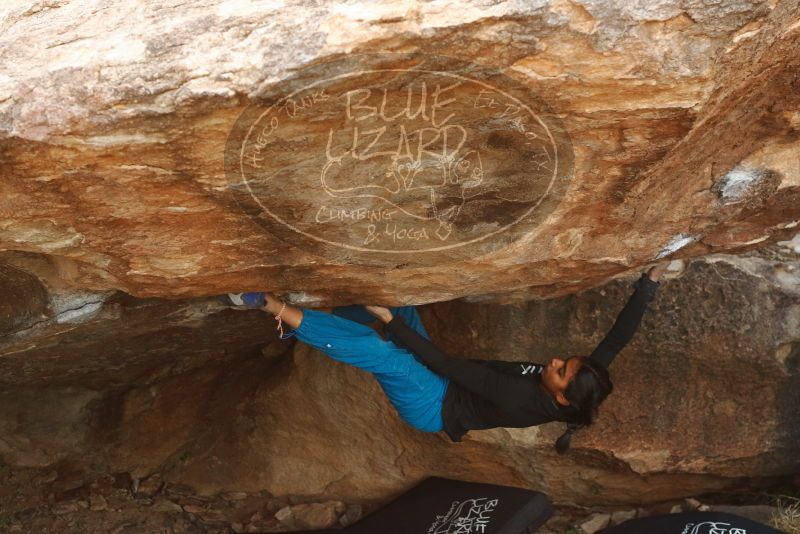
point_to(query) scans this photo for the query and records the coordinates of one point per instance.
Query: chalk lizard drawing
(430, 187)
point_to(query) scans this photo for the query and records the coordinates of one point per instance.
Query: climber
(432, 391)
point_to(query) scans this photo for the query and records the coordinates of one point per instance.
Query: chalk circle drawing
(404, 156)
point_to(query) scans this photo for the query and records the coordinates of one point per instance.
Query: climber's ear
(561, 399)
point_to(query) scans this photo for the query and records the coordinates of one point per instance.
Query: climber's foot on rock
(244, 301)
(289, 315)
(272, 304)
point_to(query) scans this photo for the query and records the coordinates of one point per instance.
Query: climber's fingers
(657, 270)
(380, 312)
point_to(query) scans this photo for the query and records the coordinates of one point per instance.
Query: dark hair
(588, 388)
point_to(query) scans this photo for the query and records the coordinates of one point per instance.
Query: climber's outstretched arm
(629, 318)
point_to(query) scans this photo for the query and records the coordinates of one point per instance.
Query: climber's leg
(359, 314)
(356, 312)
(415, 391)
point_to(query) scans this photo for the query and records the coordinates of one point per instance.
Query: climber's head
(578, 382)
(557, 376)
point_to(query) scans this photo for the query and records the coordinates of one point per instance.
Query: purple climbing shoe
(251, 301)
(244, 300)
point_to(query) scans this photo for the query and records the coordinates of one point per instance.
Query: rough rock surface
(706, 396)
(153, 154)
(585, 139)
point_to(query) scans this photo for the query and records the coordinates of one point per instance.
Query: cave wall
(705, 395)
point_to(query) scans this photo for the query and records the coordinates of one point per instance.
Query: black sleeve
(627, 321)
(505, 390)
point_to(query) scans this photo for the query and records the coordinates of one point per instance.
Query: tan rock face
(456, 150)
(388, 152)
(705, 396)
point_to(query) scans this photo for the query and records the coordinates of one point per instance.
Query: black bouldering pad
(442, 506)
(692, 523)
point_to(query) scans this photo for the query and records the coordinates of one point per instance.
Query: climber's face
(557, 375)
